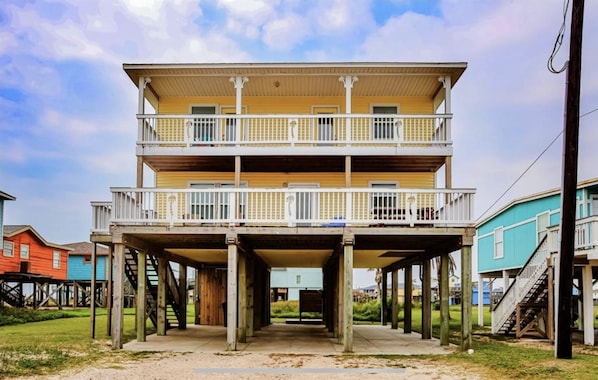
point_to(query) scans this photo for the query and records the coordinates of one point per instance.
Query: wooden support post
(92, 304)
(231, 302)
(550, 319)
(119, 295)
(426, 300)
(408, 304)
(197, 296)
(242, 299)
(384, 298)
(141, 296)
(348, 294)
(466, 294)
(161, 307)
(481, 299)
(340, 286)
(394, 303)
(34, 295)
(76, 295)
(109, 302)
(250, 294)
(588, 305)
(183, 296)
(444, 299)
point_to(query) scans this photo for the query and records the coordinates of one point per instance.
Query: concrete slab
(293, 339)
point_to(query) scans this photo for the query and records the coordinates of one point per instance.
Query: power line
(558, 43)
(530, 166)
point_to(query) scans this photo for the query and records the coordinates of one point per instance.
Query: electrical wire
(529, 167)
(558, 43)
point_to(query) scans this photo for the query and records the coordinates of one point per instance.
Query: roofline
(30, 228)
(7, 197)
(269, 65)
(546, 193)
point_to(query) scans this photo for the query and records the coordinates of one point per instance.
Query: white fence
(295, 130)
(296, 207)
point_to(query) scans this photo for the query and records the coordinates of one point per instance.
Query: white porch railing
(295, 130)
(525, 280)
(287, 207)
(101, 213)
(586, 235)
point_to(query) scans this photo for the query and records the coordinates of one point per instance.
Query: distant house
(79, 262)
(520, 243)
(285, 283)
(27, 252)
(3, 197)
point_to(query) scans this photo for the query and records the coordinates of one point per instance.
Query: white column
(143, 81)
(505, 280)
(238, 82)
(348, 81)
(588, 306)
(446, 83)
(348, 294)
(480, 300)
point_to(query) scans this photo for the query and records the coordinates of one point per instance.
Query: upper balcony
(424, 138)
(301, 116)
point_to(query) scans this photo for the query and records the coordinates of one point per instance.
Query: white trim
(21, 251)
(12, 251)
(497, 254)
(56, 264)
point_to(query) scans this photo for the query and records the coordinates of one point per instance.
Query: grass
(41, 348)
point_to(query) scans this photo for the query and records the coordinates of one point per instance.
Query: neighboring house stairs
(173, 316)
(524, 306)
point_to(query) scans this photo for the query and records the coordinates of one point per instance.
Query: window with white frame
(498, 243)
(9, 248)
(384, 205)
(298, 279)
(383, 126)
(213, 204)
(56, 260)
(542, 222)
(204, 127)
(25, 251)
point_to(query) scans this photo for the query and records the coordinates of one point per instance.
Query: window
(25, 251)
(214, 205)
(498, 243)
(87, 259)
(56, 260)
(204, 128)
(542, 222)
(383, 126)
(8, 248)
(298, 279)
(384, 205)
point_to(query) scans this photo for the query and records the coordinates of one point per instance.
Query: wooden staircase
(11, 295)
(172, 294)
(525, 303)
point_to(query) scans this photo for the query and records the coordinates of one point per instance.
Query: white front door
(306, 204)
(594, 210)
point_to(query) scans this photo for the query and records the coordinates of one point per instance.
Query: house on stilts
(273, 165)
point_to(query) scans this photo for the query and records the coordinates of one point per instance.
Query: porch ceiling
(296, 163)
(302, 247)
(295, 79)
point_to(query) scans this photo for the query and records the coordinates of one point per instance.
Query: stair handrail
(533, 269)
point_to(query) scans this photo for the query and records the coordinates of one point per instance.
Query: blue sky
(67, 110)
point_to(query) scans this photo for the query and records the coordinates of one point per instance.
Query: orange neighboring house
(26, 251)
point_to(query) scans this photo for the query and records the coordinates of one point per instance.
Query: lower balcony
(284, 207)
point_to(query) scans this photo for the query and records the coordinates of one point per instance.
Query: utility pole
(563, 344)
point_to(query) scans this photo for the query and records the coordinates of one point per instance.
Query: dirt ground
(239, 365)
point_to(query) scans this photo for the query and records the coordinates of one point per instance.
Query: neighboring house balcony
(586, 238)
(284, 207)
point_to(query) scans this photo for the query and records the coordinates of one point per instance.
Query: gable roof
(85, 247)
(527, 198)
(6, 197)
(11, 230)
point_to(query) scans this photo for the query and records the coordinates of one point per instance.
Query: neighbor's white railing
(293, 207)
(585, 238)
(524, 281)
(294, 130)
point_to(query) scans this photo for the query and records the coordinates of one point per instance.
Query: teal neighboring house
(79, 262)
(3, 197)
(285, 283)
(520, 244)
